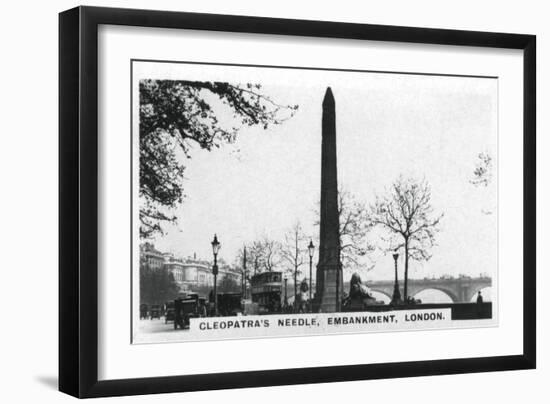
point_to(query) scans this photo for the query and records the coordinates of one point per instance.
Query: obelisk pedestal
(329, 285)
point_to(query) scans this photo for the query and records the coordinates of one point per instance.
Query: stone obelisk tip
(329, 98)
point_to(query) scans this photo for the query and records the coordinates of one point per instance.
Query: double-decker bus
(267, 288)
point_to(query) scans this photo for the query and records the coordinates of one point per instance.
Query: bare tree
(483, 172)
(483, 175)
(264, 255)
(293, 251)
(354, 228)
(355, 225)
(407, 213)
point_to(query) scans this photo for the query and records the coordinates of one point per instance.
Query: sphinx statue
(356, 287)
(359, 295)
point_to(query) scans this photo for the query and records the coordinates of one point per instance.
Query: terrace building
(189, 273)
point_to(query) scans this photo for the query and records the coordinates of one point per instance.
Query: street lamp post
(396, 298)
(215, 248)
(286, 297)
(244, 273)
(311, 250)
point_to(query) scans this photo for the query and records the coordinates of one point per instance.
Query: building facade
(152, 257)
(175, 266)
(190, 273)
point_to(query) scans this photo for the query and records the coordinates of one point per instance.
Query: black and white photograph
(275, 201)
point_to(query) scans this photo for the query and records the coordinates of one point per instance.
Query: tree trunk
(406, 276)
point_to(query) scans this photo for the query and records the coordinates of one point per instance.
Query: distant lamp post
(396, 298)
(286, 296)
(244, 273)
(311, 250)
(215, 248)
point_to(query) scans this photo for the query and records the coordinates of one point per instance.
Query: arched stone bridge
(460, 290)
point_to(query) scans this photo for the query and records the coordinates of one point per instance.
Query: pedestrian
(479, 297)
(479, 305)
(203, 312)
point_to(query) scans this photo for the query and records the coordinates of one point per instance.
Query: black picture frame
(78, 200)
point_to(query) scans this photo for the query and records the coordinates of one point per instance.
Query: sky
(387, 124)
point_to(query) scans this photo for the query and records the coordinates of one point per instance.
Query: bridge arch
(459, 290)
(382, 292)
(454, 298)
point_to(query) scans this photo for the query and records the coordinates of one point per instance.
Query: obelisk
(329, 285)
